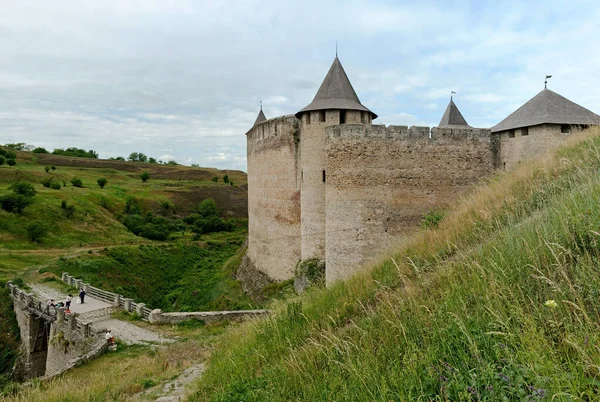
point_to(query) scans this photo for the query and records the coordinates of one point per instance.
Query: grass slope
(463, 312)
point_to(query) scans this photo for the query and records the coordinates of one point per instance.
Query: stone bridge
(52, 341)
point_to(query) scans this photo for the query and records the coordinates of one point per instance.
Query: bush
(55, 185)
(144, 176)
(15, 202)
(8, 154)
(215, 179)
(39, 150)
(22, 188)
(76, 182)
(63, 204)
(102, 182)
(73, 151)
(2, 160)
(226, 179)
(132, 206)
(69, 211)
(208, 207)
(47, 169)
(53, 168)
(36, 231)
(47, 182)
(11, 162)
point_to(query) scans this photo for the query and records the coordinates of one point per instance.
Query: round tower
(335, 103)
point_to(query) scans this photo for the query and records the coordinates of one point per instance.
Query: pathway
(99, 313)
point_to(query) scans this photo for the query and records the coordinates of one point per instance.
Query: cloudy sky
(182, 80)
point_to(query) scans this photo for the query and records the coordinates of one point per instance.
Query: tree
(22, 188)
(36, 231)
(208, 207)
(142, 158)
(102, 182)
(151, 160)
(76, 182)
(145, 176)
(11, 162)
(2, 160)
(226, 179)
(15, 202)
(39, 150)
(215, 179)
(133, 157)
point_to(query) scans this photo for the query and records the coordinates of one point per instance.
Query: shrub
(208, 207)
(73, 151)
(18, 281)
(55, 185)
(102, 182)
(15, 202)
(39, 150)
(36, 231)
(144, 176)
(47, 182)
(11, 162)
(231, 183)
(226, 179)
(215, 179)
(2, 160)
(8, 153)
(63, 204)
(22, 188)
(53, 168)
(47, 169)
(69, 211)
(132, 206)
(76, 182)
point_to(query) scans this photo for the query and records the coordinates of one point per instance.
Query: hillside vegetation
(500, 302)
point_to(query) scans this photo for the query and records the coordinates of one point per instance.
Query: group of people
(67, 303)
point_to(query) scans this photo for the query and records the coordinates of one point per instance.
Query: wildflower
(472, 390)
(505, 378)
(550, 303)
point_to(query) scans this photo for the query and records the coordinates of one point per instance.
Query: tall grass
(499, 302)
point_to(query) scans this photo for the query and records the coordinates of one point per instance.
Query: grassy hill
(501, 302)
(86, 234)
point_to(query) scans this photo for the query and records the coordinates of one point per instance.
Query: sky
(182, 80)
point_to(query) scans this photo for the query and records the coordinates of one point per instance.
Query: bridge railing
(156, 315)
(42, 310)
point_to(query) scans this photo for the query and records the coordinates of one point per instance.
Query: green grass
(9, 335)
(458, 314)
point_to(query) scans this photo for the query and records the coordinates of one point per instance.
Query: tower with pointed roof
(335, 103)
(452, 117)
(541, 123)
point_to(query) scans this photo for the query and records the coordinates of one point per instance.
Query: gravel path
(124, 331)
(131, 334)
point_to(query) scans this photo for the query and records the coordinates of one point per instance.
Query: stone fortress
(329, 185)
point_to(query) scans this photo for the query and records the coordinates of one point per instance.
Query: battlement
(349, 131)
(272, 127)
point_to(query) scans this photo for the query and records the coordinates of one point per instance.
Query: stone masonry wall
(537, 141)
(274, 196)
(381, 180)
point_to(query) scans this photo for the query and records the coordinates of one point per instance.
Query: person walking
(68, 301)
(110, 339)
(82, 295)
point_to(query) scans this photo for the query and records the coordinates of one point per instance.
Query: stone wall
(274, 196)
(381, 180)
(158, 317)
(527, 143)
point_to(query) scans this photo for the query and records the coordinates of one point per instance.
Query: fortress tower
(328, 184)
(335, 103)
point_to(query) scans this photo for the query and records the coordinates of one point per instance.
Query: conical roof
(547, 107)
(336, 92)
(452, 117)
(260, 118)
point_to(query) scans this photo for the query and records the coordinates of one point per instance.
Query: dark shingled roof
(336, 92)
(452, 117)
(547, 107)
(260, 118)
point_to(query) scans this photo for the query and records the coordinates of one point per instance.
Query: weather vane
(452, 93)
(546, 81)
